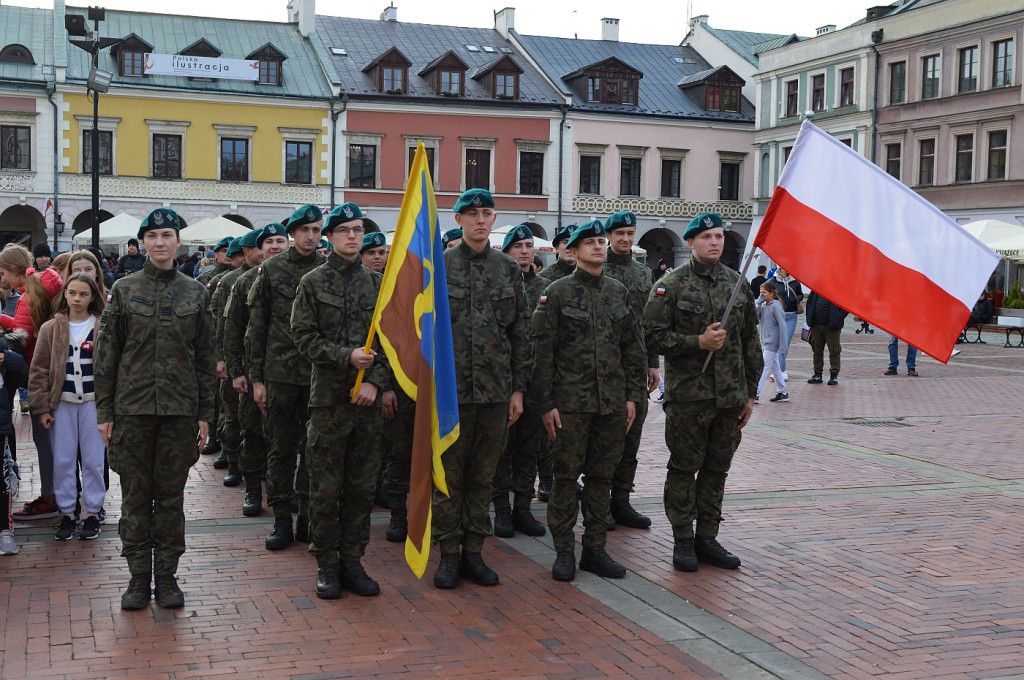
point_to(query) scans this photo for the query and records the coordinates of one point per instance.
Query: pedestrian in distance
(773, 336)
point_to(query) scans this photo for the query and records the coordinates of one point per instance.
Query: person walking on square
(773, 336)
(590, 375)
(894, 357)
(705, 410)
(493, 366)
(63, 400)
(791, 295)
(826, 321)
(155, 376)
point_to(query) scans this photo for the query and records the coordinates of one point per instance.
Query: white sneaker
(660, 399)
(7, 543)
(955, 352)
(785, 376)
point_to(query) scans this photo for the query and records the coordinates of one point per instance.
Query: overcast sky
(650, 21)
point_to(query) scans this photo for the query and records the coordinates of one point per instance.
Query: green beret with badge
(620, 220)
(374, 239)
(520, 233)
(346, 212)
(161, 218)
(449, 236)
(702, 223)
(586, 230)
(235, 246)
(272, 229)
(223, 243)
(473, 198)
(325, 244)
(249, 239)
(307, 214)
(561, 235)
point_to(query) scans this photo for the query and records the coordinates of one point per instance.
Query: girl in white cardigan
(63, 399)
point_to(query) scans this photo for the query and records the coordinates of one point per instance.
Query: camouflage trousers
(228, 429)
(153, 455)
(517, 467)
(252, 456)
(343, 464)
(589, 444)
(285, 433)
(398, 451)
(464, 517)
(701, 440)
(625, 472)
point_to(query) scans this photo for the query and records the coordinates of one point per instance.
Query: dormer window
(723, 97)
(506, 85)
(390, 71)
(609, 82)
(719, 89)
(201, 48)
(270, 60)
(131, 56)
(16, 54)
(451, 83)
(501, 77)
(447, 75)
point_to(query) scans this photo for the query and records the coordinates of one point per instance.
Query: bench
(991, 328)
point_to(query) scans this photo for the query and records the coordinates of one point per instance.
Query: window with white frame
(298, 154)
(930, 76)
(997, 154)
(963, 160)
(893, 159)
(926, 162)
(846, 86)
(363, 159)
(478, 162)
(167, 148)
(730, 170)
(967, 70)
(673, 167)
(1002, 63)
(531, 166)
(431, 145)
(234, 152)
(107, 127)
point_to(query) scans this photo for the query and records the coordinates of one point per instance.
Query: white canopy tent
(1011, 248)
(209, 231)
(113, 232)
(993, 231)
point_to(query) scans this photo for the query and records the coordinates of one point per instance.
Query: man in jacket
(826, 321)
(130, 262)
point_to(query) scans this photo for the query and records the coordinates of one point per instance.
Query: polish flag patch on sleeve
(660, 290)
(110, 296)
(543, 299)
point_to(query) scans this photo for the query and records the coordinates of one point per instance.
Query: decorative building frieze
(193, 190)
(600, 205)
(17, 181)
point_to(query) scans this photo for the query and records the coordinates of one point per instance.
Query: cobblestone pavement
(878, 522)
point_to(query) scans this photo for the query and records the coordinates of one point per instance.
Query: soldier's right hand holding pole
(552, 423)
(712, 339)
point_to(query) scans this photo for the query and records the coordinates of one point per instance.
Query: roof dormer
(718, 88)
(16, 54)
(611, 81)
(201, 48)
(500, 76)
(390, 72)
(131, 55)
(446, 75)
(270, 60)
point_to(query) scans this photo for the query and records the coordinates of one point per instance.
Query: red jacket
(23, 313)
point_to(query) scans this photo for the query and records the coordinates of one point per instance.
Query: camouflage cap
(585, 230)
(223, 243)
(235, 247)
(562, 234)
(272, 229)
(161, 218)
(620, 220)
(520, 233)
(249, 239)
(374, 239)
(701, 223)
(307, 214)
(473, 198)
(346, 212)
(449, 236)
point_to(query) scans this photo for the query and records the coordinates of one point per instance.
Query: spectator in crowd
(791, 295)
(894, 357)
(105, 269)
(773, 336)
(41, 256)
(755, 283)
(131, 262)
(826, 321)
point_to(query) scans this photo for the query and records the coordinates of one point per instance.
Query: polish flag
(859, 237)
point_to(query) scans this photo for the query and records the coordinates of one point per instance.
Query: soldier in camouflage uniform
(244, 248)
(155, 376)
(374, 251)
(493, 364)
(621, 230)
(223, 266)
(252, 456)
(373, 254)
(704, 410)
(565, 264)
(451, 238)
(589, 378)
(280, 373)
(330, 322)
(517, 466)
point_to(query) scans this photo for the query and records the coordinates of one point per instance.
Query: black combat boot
(221, 462)
(234, 476)
(252, 506)
(544, 488)
(302, 529)
(281, 537)
(710, 551)
(355, 578)
(398, 527)
(503, 523)
(626, 515)
(476, 570)
(833, 379)
(328, 583)
(683, 556)
(168, 594)
(447, 575)
(212, 445)
(524, 522)
(814, 379)
(137, 595)
(597, 561)
(564, 568)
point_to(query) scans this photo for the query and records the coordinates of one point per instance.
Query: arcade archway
(22, 224)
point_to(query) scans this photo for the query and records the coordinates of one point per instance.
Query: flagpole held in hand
(732, 300)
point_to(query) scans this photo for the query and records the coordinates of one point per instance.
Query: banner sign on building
(201, 67)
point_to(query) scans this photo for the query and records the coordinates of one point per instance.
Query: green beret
(449, 236)
(620, 220)
(249, 239)
(374, 239)
(520, 233)
(307, 214)
(161, 218)
(272, 229)
(702, 222)
(323, 243)
(223, 243)
(561, 235)
(235, 247)
(346, 212)
(585, 230)
(474, 198)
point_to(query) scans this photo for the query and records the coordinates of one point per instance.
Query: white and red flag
(859, 237)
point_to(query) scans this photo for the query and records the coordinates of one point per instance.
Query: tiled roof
(32, 29)
(743, 43)
(663, 67)
(302, 75)
(365, 39)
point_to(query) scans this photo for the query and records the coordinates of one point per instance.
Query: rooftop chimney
(610, 29)
(390, 13)
(505, 21)
(825, 29)
(303, 13)
(699, 19)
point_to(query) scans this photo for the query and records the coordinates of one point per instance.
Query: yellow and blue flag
(414, 324)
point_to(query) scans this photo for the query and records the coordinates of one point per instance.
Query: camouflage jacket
(218, 302)
(589, 356)
(535, 286)
(153, 353)
(490, 325)
(681, 306)
(637, 280)
(236, 320)
(272, 355)
(330, 318)
(218, 269)
(558, 270)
